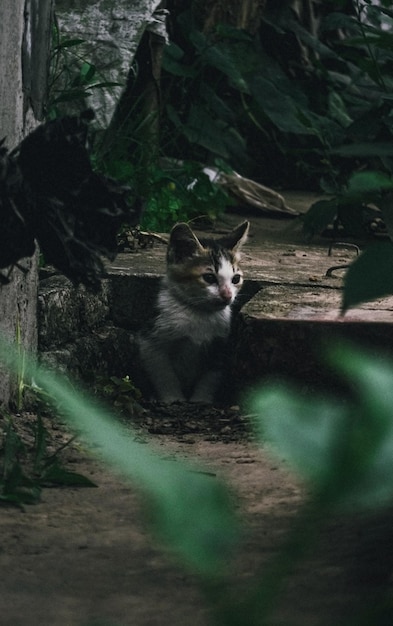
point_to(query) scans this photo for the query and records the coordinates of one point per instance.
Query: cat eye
(210, 278)
(236, 279)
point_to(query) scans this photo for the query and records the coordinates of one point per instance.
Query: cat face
(205, 273)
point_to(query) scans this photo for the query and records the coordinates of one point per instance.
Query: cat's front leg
(206, 389)
(161, 373)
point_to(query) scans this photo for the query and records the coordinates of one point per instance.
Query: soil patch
(83, 557)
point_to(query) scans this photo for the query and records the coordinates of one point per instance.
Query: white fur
(176, 319)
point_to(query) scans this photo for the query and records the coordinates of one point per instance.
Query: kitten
(184, 351)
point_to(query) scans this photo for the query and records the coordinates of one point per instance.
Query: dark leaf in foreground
(370, 276)
(49, 192)
(55, 474)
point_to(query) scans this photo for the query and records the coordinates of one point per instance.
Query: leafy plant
(21, 482)
(227, 97)
(122, 394)
(362, 44)
(171, 193)
(366, 201)
(182, 195)
(15, 486)
(291, 105)
(353, 209)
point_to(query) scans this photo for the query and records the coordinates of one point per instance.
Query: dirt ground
(83, 556)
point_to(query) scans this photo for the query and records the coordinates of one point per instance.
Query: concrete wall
(24, 46)
(111, 31)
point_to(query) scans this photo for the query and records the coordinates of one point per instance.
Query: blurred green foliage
(287, 106)
(341, 447)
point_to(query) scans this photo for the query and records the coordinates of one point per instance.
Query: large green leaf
(319, 216)
(173, 63)
(364, 149)
(306, 433)
(371, 424)
(337, 109)
(344, 449)
(224, 57)
(279, 107)
(213, 134)
(370, 182)
(57, 475)
(216, 104)
(370, 276)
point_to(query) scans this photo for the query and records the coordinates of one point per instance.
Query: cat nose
(226, 294)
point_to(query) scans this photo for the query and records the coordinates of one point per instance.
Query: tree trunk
(24, 55)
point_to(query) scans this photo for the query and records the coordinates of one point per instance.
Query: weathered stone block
(110, 351)
(111, 32)
(66, 312)
(132, 299)
(58, 312)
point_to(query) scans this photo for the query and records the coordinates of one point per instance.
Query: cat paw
(201, 401)
(171, 400)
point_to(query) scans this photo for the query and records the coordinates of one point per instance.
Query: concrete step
(287, 328)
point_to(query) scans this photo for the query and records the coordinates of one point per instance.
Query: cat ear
(183, 244)
(237, 237)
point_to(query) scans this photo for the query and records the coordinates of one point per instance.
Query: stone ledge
(66, 312)
(296, 350)
(290, 309)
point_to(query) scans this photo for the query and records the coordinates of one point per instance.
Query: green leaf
(304, 432)
(335, 20)
(69, 43)
(230, 32)
(20, 487)
(213, 134)
(172, 62)
(229, 58)
(279, 107)
(386, 11)
(350, 215)
(216, 104)
(10, 499)
(343, 449)
(12, 446)
(363, 149)
(191, 513)
(370, 276)
(41, 435)
(105, 84)
(319, 216)
(369, 183)
(87, 72)
(372, 378)
(57, 475)
(338, 110)
(69, 96)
